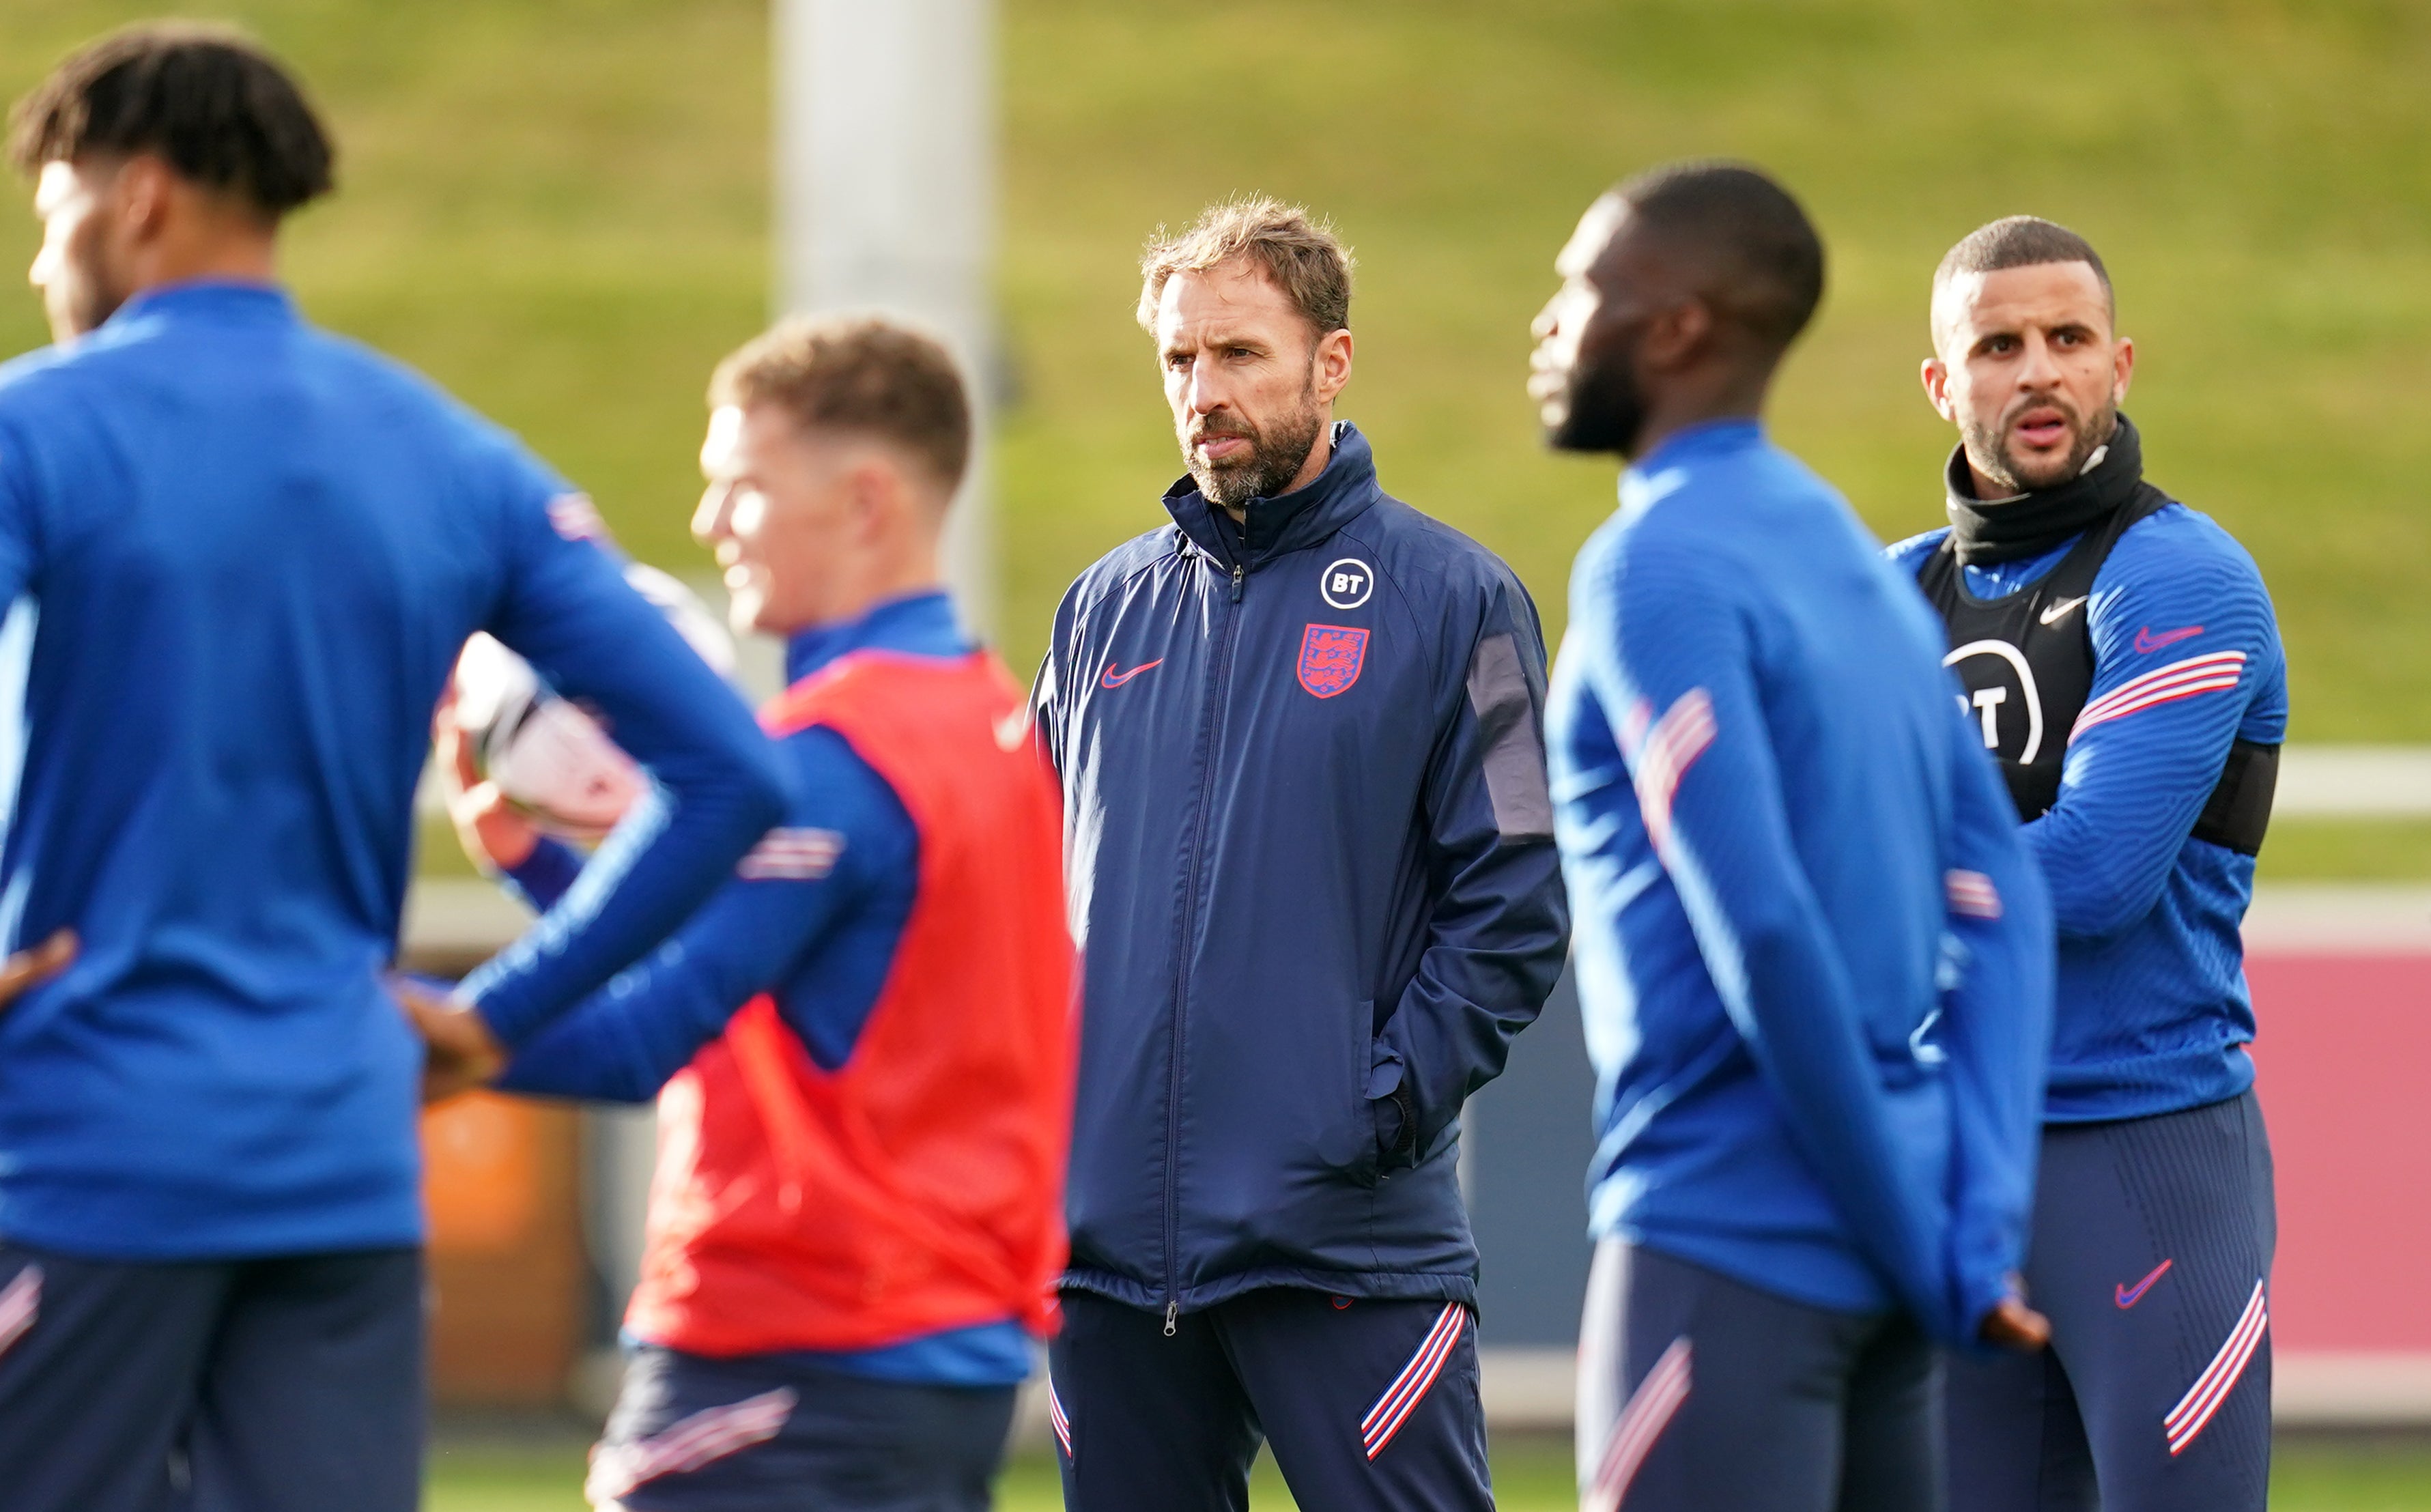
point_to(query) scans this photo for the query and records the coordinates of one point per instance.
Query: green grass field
(1530, 1476)
(559, 208)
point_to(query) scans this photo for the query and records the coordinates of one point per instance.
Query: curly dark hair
(207, 100)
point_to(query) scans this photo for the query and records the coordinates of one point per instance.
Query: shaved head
(1738, 238)
(2013, 241)
(1681, 290)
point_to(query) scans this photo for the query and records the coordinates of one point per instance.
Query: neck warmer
(1985, 530)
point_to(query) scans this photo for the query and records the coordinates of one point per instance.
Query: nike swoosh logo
(1116, 679)
(2130, 1296)
(2147, 643)
(2058, 611)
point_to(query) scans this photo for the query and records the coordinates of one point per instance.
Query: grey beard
(1273, 462)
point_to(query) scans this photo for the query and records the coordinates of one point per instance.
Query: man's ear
(1936, 374)
(1677, 333)
(140, 193)
(2122, 370)
(1330, 364)
(879, 491)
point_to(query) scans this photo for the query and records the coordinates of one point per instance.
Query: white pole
(885, 196)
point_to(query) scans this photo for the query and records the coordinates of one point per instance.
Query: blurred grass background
(559, 208)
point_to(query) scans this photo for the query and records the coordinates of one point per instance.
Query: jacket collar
(1289, 522)
(1988, 530)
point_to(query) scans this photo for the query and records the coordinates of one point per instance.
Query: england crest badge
(1329, 658)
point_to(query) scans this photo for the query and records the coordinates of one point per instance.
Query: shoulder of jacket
(1420, 554)
(1109, 573)
(1131, 558)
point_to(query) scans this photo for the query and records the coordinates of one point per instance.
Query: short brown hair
(208, 100)
(1301, 257)
(863, 374)
(2021, 241)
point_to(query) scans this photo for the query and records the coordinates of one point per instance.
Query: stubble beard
(1276, 454)
(1989, 450)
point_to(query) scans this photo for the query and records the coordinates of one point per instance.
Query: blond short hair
(1301, 256)
(862, 373)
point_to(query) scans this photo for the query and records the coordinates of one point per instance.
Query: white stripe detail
(1651, 1409)
(2195, 1410)
(575, 517)
(1671, 745)
(709, 1435)
(1055, 1416)
(1971, 893)
(2179, 679)
(792, 855)
(21, 1303)
(1410, 1387)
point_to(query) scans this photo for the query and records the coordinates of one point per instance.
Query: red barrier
(2346, 1083)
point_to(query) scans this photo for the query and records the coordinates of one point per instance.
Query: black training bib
(2026, 662)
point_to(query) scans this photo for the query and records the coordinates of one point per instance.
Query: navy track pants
(2151, 1255)
(1698, 1393)
(776, 1434)
(286, 1384)
(1370, 1405)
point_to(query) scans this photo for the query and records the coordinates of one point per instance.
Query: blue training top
(1812, 956)
(244, 555)
(2152, 1011)
(815, 925)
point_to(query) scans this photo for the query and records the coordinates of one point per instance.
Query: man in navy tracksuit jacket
(1310, 856)
(240, 557)
(1813, 957)
(2122, 659)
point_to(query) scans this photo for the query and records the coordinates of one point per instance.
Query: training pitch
(1530, 1475)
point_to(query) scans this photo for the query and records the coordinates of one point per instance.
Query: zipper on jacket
(1219, 678)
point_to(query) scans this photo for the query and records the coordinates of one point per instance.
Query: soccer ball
(548, 758)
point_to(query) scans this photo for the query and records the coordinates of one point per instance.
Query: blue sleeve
(718, 785)
(1672, 648)
(546, 875)
(1995, 1030)
(1500, 924)
(847, 838)
(2185, 650)
(17, 519)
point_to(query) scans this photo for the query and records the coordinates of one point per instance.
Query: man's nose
(1203, 393)
(2040, 369)
(710, 518)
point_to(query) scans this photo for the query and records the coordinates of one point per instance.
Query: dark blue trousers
(772, 1434)
(286, 1384)
(1698, 1393)
(1368, 1404)
(2151, 1255)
